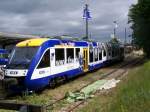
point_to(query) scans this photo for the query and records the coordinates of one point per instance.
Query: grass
(53, 94)
(131, 95)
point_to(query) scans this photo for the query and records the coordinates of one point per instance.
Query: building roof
(9, 38)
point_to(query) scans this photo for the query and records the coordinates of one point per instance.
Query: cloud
(102, 27)
(56, 17)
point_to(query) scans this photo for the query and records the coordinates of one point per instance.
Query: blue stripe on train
(42, 82)
(96, 66)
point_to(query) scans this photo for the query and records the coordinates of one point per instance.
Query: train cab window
(70, 55)
(91, 55)
(45, 61)
(59, 56)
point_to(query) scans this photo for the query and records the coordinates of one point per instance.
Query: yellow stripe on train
(32, 42)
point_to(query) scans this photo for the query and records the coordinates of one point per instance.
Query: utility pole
(86, 16)
(87, 23)
(115, 27)
(125, 36)
(114, 32)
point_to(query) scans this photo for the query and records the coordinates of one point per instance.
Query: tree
(114, 40)
(139, 16)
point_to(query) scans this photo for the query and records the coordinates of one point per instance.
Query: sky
(65, 17)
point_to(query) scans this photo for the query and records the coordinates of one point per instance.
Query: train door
(85, 59)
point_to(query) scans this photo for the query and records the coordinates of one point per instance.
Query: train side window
(104, 53)
(70, 55)
(77, 52)
(113, 53)
(91, 55)
(96, 54)
(45, 61)
(116, 52)
(109, 53)
(100, 54)
(59, 56)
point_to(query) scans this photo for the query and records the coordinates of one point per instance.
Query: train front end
(18, 67)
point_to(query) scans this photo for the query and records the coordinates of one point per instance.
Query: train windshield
(21, 57)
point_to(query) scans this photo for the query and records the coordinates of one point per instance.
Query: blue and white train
(36, 63)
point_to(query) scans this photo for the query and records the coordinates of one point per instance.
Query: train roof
(40, 41)
(32, 42)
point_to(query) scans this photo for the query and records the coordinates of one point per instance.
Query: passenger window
(96, 54)
(109, 53)
(77, 50)
(45, 61)
(100, 54)
(104, 53)
(91, 55)
(113, 53)
(59, 56)
(70, 55)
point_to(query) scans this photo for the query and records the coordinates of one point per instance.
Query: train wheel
(65, 79)
(60, 80)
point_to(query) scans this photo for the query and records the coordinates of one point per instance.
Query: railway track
(70, 109)
(119, 76)
(44, 108)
